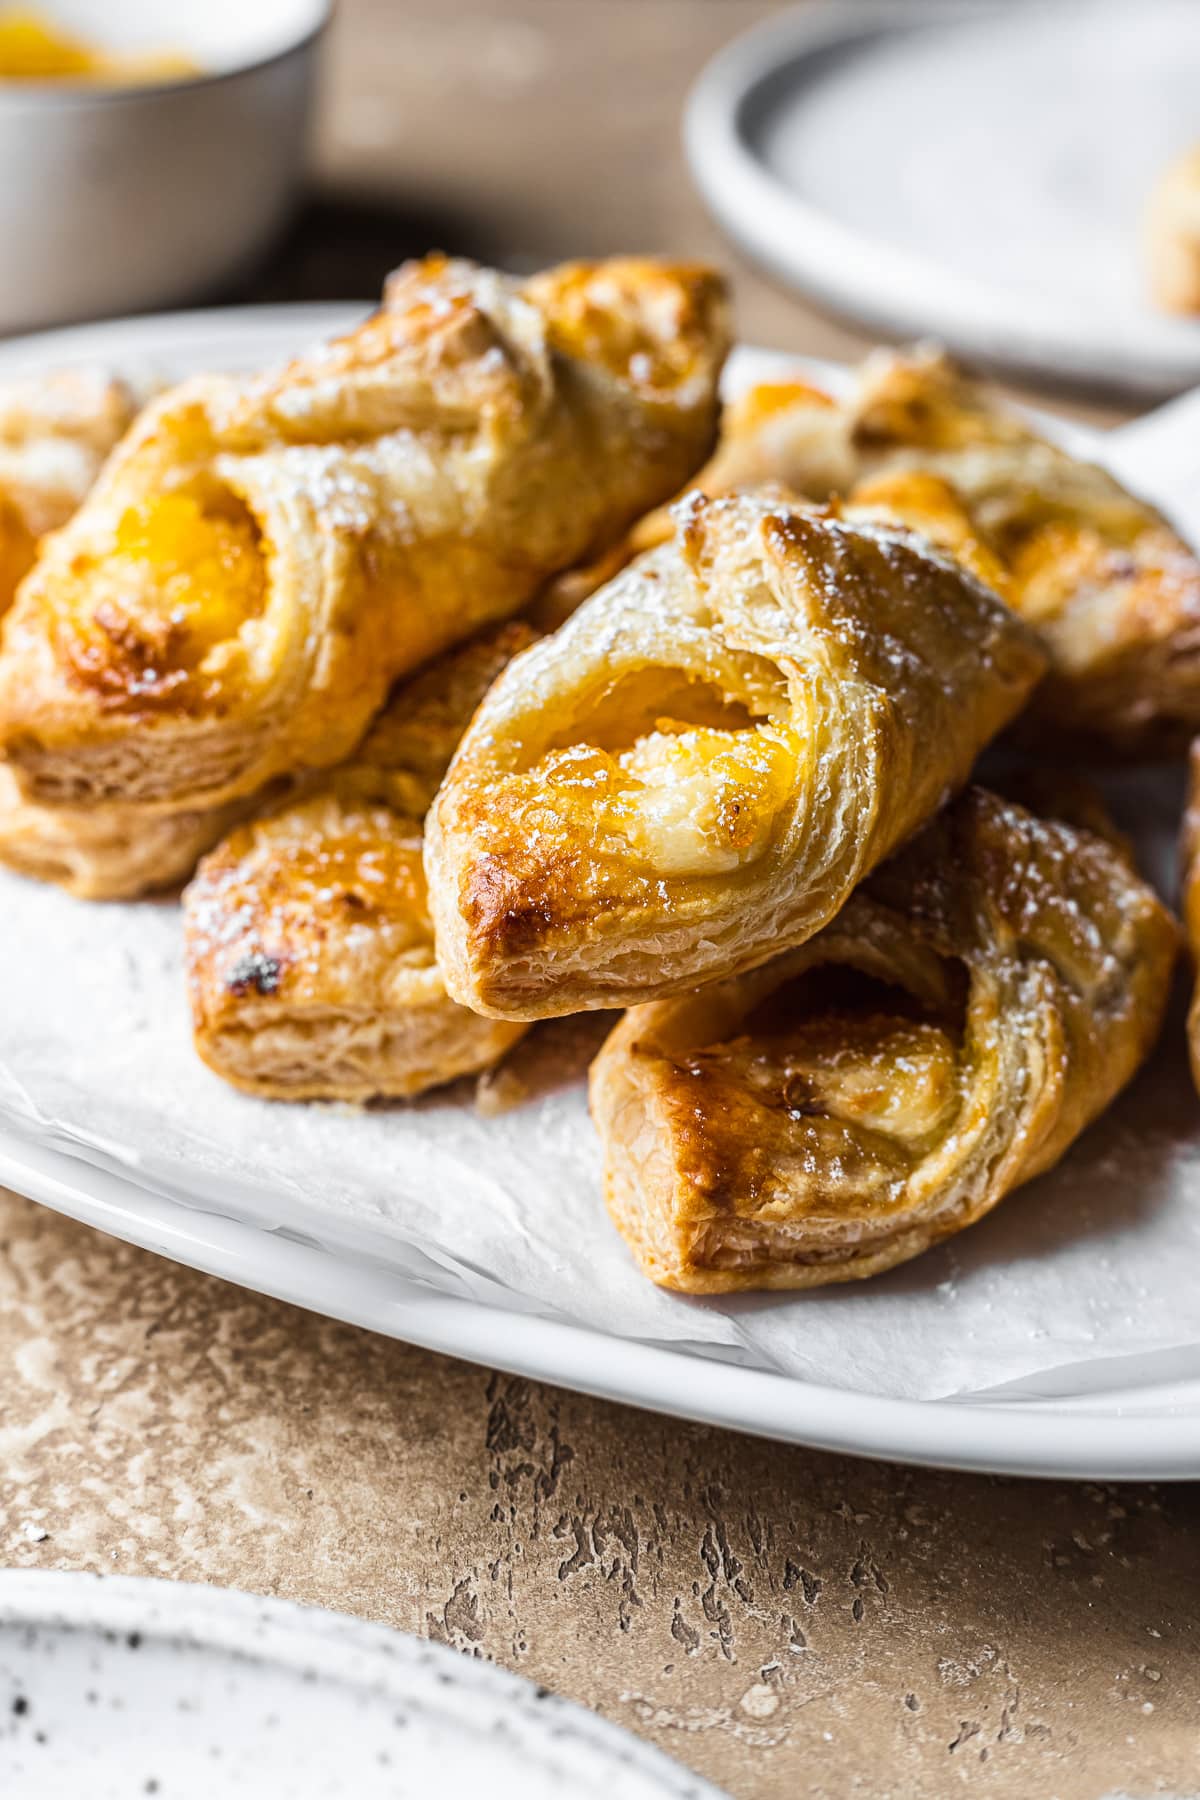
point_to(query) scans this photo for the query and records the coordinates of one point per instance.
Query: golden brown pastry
(933, 506)
(55, 431)
(709, 755)
(775, 434)
(109, 851)
(567, 593)
(261, 559)
(974, 1006)
(117, 850)
(1111, 588)
(309, 945)
(1173, 236)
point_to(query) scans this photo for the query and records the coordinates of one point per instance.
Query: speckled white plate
(115, 1689)
(977, 172)
(1140, 1421)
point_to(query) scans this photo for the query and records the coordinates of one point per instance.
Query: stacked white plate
(972, 172)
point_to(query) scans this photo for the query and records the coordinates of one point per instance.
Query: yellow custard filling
(34, 48)
(203, 570)
(688, 800)
(897, 1078)
(177, 580)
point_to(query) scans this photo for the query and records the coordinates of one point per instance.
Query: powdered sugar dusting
(339, 490)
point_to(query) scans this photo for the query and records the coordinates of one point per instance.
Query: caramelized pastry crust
(55, 431)
(711, 753)
(1110, 587)
(775, 434)
(309, 945)
(974, 1006)
(261, 559)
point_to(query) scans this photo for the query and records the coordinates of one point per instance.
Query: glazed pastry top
(262, 558)
(713, 748)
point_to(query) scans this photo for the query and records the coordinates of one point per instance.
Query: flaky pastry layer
(261, 559)
(107, 851)
(1109, 585)
(56, 429)
(974, 1006)
(310, 952)
(700, 765)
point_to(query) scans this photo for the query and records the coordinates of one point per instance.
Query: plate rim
(1011, 1438)
(144, 335)
(846, 270)
(274, 1632)
(1023, 1439)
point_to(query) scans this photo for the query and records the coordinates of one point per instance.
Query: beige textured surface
(785, 1622)
(528, 130)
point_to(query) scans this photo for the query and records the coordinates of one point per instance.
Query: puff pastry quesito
(975, 1005)
(55, 431)
(1110, 587)
(709, 755)
(261, 559)
(309, 945)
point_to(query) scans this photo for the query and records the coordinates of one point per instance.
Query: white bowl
(114, 199)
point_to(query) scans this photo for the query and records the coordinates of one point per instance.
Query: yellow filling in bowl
(34, 48)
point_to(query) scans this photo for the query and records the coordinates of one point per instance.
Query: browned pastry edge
(108, 852)
(56, 428)
(824, 682)
(309, 949)
(1104, 578)
(1030, 945)
(384, 496)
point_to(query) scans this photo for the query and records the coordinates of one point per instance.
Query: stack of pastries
(478, 671)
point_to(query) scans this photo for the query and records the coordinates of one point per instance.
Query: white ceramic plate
(1147, 1430)
(116, 1688)
(976, 172)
